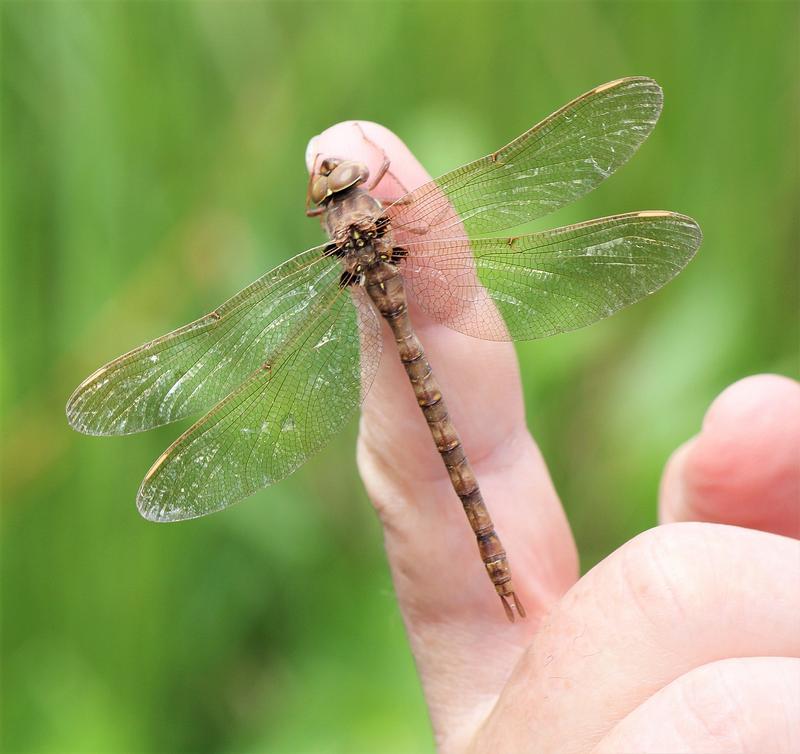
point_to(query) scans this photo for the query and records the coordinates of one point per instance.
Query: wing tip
(76, 418)
(635, 82)
(689, 223)
(697, 231)
(78, 422)
(155, 503)
(153, 506)
(148, 501)
(628, 81)
(148, 507)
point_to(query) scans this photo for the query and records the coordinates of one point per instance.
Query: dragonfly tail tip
(509, 608)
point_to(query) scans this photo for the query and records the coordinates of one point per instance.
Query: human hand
(685, 639)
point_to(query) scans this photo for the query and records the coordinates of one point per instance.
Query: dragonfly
(281, 366)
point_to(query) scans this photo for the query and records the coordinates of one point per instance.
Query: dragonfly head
(335, 175)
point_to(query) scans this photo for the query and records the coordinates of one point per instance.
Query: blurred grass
(152, 164)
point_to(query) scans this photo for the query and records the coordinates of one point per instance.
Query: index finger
(449, 606)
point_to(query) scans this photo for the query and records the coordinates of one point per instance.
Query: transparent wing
(546, 283)
(273, 422)
(562, 158)
(191, 369)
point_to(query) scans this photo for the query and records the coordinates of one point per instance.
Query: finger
(670, 600)
(455, 621)
(745, 704)
(744, 466)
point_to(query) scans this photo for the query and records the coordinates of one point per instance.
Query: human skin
(684, 639)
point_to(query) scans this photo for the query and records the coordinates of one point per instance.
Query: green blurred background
(152, 164)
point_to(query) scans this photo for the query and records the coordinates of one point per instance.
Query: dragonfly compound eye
(319, 189)
(346, 175)
(328, 165)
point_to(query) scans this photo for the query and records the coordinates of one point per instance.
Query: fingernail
(673, 483)
(311, 152)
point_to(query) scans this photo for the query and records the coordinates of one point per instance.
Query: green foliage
(152, 165)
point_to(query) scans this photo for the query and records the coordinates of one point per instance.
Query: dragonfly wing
(191, 369)
(275, 420)
(557, 161)
(546, 283)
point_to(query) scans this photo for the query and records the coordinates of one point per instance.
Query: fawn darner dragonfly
(284, 363)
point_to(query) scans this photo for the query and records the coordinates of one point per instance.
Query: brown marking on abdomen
(384, 285)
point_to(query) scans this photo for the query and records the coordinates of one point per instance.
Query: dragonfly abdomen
(384, 285)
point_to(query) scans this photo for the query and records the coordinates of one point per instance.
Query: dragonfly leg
(311, 211)
(402, 200)
(383, 169)
(333, 250)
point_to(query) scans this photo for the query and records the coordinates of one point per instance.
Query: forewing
(193, 368)
(557, 161)
(546, 283)
(274, 421)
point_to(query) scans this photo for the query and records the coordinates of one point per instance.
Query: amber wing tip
(509, 606)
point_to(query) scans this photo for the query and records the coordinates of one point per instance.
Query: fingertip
(672, 497)
(311, 152)
(744, 466)
(372, 144)
(759, 401)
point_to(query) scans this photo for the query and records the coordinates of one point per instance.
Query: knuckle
(713, 706)
(658, 570)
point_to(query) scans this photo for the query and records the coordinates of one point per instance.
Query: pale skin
(684, 639)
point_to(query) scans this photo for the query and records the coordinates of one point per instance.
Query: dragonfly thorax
(360, 234)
